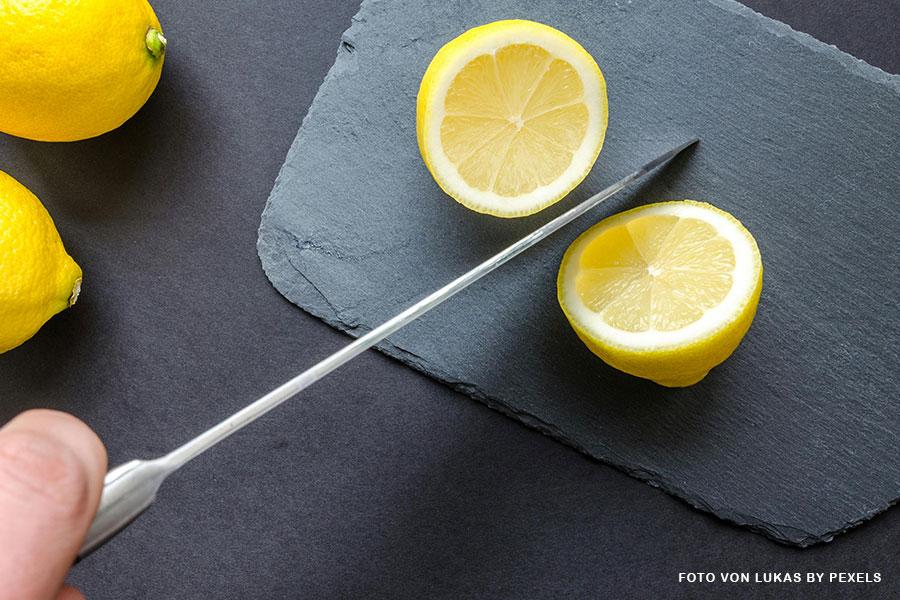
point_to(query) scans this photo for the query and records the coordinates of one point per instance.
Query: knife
(129, 489)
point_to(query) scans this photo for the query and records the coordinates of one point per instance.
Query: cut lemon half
(664, 291)
(510, 117)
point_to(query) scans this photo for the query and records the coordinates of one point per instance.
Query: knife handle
(128, 490)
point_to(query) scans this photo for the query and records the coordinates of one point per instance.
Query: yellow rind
(674, 366)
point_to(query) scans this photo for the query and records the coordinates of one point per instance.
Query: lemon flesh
(664, 291)
(75, 69)
(510, 117)
(37, 277)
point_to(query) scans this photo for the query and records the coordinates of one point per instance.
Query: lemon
(510, 117)
(37, 278)
(74, 69)
(664, 291)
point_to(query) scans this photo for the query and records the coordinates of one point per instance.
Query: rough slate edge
(853, 65)
(312, 300)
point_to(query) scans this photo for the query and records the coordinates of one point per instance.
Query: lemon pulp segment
(658, 272)
(514, 120)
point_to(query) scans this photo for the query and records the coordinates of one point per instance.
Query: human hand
(51, 474)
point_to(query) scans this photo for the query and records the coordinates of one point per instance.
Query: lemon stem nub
(76, 290)
(156, 42)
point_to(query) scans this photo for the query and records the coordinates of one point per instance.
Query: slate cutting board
(796, 435)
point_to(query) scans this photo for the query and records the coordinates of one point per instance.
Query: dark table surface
(378, 482)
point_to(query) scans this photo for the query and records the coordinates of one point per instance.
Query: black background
(377, 482)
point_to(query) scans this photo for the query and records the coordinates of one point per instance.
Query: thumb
(51, 474)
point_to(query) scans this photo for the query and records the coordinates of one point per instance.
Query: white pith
(745, 277)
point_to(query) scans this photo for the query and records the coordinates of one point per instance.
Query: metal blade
(127, 494)
(313, 374)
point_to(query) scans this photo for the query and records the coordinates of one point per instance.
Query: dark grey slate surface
(796, 435)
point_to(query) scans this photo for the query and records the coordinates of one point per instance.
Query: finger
(51, 475)
(69, 593)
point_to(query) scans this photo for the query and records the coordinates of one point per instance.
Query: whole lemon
(37, 277)
(75, 69)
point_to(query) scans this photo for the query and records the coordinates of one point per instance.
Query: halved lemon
(510, 117)
(664, 291)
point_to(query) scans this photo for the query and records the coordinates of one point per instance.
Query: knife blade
(129, 489)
